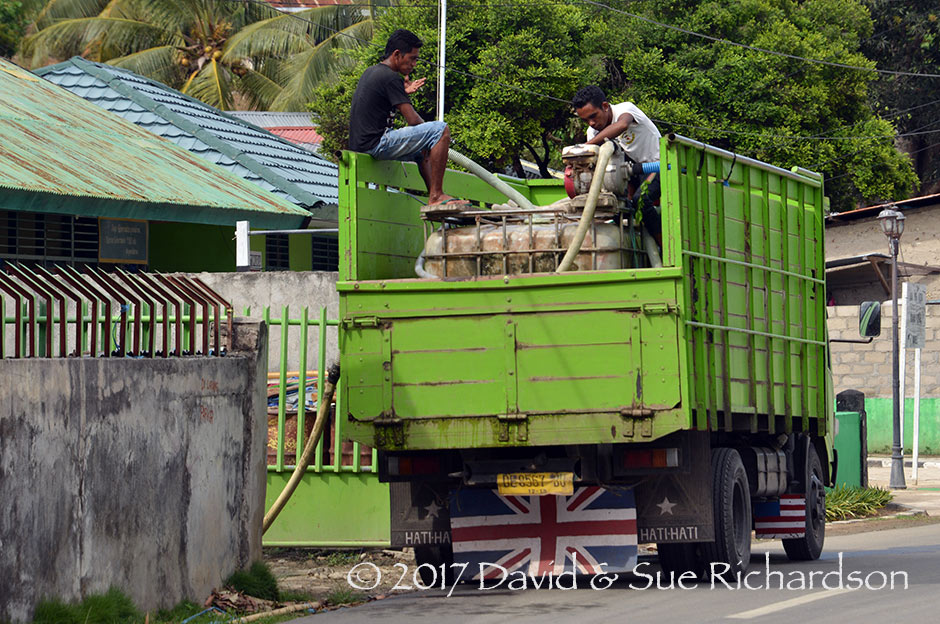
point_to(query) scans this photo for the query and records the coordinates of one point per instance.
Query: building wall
(187, 247)
(919, 245)
(277, 289)
(143, 474)
(867, 368)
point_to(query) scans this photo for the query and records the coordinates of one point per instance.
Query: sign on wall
(122, 241)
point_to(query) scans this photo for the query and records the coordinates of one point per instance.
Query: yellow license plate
(535, 483)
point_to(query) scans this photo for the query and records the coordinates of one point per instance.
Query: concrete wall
(147, 475)
(867, 368)
(284, 288)
(919, 245)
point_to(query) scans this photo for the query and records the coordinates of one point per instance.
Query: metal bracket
(509, 421)
(362, 321)
(389, 432)
(658, 308)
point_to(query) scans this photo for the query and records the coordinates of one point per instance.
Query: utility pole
(441, 59)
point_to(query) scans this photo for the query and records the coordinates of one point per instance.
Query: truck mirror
(869, 319)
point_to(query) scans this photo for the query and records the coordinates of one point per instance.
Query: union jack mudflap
(592, 531)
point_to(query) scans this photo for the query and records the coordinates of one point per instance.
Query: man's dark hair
(402, 40)
(590, 94)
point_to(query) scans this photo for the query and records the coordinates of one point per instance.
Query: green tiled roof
(59, 153)
(273, 163)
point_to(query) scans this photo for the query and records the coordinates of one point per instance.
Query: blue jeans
(408, 143)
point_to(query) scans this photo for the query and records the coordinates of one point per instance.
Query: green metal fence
(340, 501)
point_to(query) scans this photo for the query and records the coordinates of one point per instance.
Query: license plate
(535, 483)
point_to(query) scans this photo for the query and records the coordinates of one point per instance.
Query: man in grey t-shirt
(635, 133)
(382, 92)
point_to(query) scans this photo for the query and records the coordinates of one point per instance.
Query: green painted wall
(192, 247)
(881, 433)
(300, 250)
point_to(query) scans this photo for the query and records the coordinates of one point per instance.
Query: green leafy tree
(210, 49)
(908, 38)
(501, 58)
(12, 26)
(757, 103)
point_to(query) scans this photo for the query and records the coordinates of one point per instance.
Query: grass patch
(296, 596)
(257, 581)
(846, 502)
(341, 557)
(342, 596)
(110, 608)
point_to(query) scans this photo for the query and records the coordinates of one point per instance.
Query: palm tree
(213, 50)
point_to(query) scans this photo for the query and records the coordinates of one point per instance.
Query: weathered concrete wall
(277, 289)
(147, 475)
(867, 368)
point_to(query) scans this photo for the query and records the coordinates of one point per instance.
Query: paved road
(869, 557)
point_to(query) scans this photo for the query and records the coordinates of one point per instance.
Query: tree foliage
(12, 26)
(778, 109)
(908, 38)
(516, 52)
(211, 49)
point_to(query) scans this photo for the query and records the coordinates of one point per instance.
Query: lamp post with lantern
(892, 224)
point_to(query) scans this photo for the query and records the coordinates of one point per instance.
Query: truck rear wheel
(681, 558)
(731, 499)
(809, 547)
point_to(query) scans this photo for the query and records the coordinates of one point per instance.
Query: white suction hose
(652, 250)
(490, 179)
(587, 217)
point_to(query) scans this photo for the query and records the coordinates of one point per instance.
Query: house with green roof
(80, 185)
(258, 156)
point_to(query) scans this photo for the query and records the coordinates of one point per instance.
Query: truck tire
(731, 499)
(434, 556)
(678, 559)
(809, 547)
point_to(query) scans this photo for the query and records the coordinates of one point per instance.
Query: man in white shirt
(635, 133)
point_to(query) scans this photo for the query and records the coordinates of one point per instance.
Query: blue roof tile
(271, 162)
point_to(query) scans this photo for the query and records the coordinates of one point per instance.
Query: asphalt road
(870, 562)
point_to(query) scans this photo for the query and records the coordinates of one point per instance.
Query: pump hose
(490, 179)
(329, 387)
(587, 217)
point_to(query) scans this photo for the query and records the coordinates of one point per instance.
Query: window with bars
(325, 253)
(276, 252)
(48, 238)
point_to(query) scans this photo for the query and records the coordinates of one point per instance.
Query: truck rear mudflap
(667, 503)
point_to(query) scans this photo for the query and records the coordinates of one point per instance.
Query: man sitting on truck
(382, 90)
(636, 134)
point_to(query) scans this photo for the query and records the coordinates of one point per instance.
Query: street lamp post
(892, 224)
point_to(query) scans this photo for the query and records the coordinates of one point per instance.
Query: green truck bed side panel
(751, 246)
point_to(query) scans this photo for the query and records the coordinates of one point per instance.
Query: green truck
(696, 393)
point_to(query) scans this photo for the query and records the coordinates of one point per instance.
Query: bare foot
(439, 199)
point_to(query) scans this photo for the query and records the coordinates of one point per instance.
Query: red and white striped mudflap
(783, 519)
